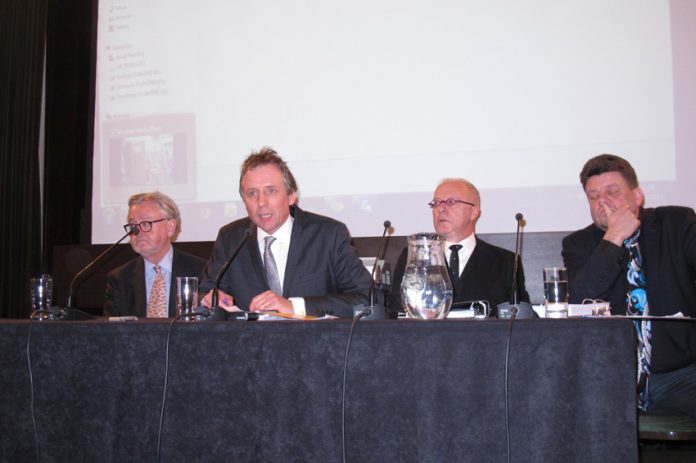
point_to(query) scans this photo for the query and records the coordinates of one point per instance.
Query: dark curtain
(22, 32)
(65, 30)
(70, 68)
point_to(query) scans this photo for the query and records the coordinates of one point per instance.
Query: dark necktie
(269, 264)
(454, 262)
(637, 304)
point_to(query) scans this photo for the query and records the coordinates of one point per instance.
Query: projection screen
(371, 103)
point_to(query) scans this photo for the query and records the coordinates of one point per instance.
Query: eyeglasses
(145, 225)
(449, 202)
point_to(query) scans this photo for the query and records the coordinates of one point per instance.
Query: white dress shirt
(468, 245)
(280, 249)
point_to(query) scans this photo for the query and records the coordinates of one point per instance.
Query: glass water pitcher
(426, 290)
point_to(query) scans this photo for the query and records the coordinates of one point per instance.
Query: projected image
(147, 160)
(152, 153)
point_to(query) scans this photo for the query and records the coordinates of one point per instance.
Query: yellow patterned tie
(157, 305)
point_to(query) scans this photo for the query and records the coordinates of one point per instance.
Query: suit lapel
(649, 245)
(139, 290)
(295, 249)
(470, 267)
(176, 271)
(251, 249)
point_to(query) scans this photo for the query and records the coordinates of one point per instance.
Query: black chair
(666, 426)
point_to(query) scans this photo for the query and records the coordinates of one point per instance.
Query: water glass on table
(41, 296)
(556, 292)
(186, 296)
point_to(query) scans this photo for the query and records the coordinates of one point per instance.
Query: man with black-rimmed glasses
(146, 285)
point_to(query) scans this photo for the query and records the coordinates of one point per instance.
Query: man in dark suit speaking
(478, 270)
(643, 262)
(146, 286)
(294, 262)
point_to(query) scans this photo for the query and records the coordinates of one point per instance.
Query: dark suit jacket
(322, 266)
(487, 276)
(126, 293)
(597, 270)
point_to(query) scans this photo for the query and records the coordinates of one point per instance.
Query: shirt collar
(282, 234)
(165, 263)
(468, 244)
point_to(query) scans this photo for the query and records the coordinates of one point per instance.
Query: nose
(262, 199)
(606, 199)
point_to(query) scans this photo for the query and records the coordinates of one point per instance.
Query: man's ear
(639, 196)
(171, 228)
(475, 213)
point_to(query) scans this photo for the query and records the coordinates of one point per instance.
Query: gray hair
(265, 156)
(164, 202)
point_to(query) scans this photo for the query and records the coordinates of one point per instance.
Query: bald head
(458, 220)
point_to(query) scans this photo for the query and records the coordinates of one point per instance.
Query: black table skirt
(271, 391)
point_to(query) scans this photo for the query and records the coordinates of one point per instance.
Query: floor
(668, 452)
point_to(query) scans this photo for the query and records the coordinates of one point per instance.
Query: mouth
(264, 216)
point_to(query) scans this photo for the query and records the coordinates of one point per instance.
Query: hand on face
(614, 205)
(621, 223)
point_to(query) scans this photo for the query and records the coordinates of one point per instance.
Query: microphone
(216, 313)
(515, 308)
(71, 313)
(374, 311)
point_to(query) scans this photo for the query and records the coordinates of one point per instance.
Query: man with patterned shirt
(643, 262)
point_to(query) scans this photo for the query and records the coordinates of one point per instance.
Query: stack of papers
(597, 309)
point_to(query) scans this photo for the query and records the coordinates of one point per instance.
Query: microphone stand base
(374, 312)
(521, 310)
(61, 314)
(218, 314)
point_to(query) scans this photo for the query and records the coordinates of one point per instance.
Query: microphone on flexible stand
(374, 311)
(515, 308)
(217, 313)
(71, 313)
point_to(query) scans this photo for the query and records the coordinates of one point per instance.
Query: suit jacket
(487, 276)
(322, 266)
(126, 293)
(597, 270)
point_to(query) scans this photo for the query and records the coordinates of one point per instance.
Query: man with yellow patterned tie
(146, 285)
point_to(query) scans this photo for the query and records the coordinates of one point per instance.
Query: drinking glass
(186, 296)
(556, 292)
(41, 296)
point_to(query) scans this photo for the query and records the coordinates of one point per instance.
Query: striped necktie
(269, 265)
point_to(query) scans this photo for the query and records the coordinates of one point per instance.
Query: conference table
(267, 391)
